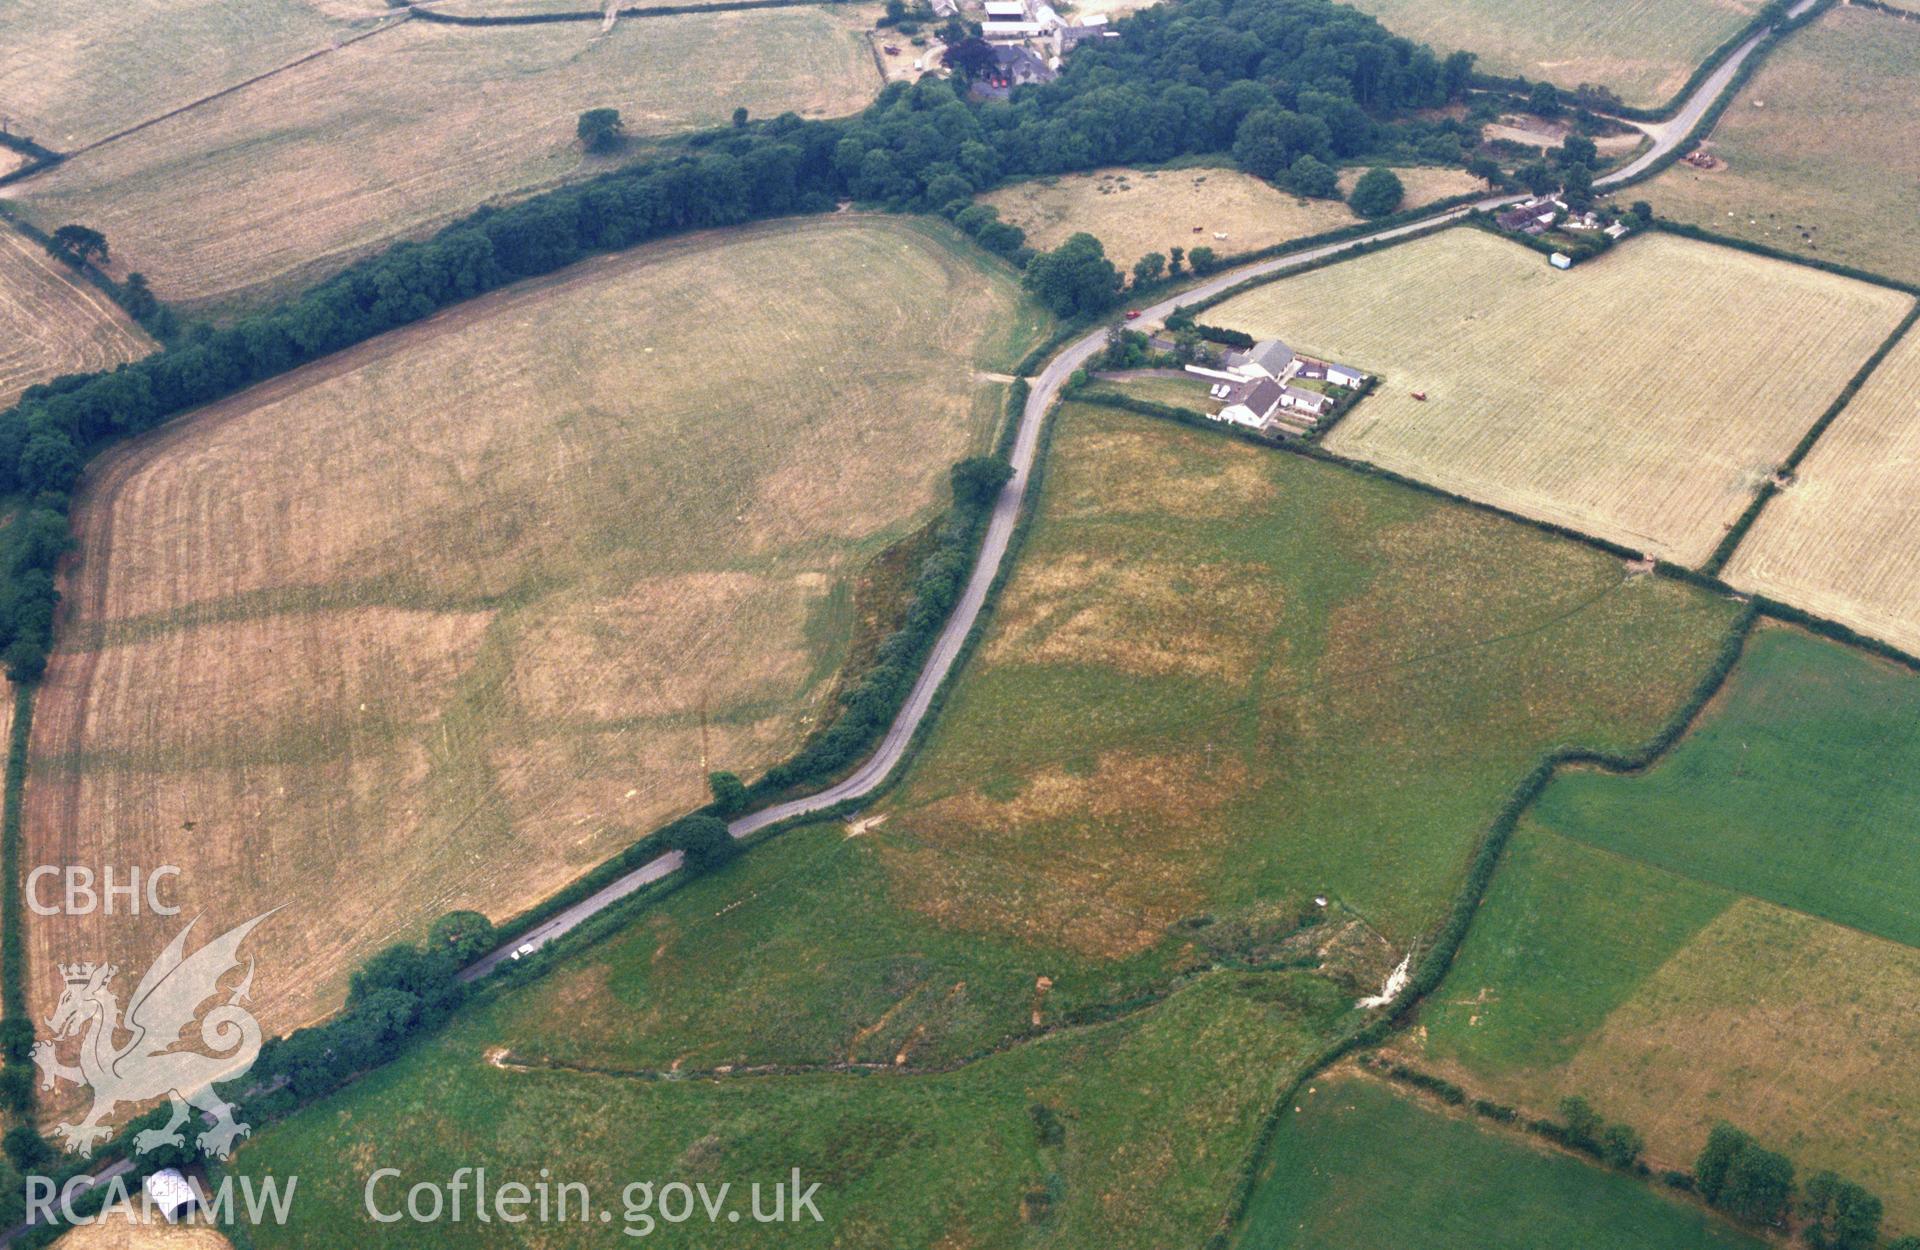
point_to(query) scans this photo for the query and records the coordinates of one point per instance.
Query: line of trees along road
(1268, 80)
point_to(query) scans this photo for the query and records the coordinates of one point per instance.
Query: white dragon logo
(164, 1004)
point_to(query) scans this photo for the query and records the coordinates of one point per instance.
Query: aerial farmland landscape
(1212, 624)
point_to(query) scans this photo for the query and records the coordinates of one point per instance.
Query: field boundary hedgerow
(343, 42)
(1768, 489)
(154, 316)
(1453, 931)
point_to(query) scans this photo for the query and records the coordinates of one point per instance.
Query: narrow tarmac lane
(1006, 514)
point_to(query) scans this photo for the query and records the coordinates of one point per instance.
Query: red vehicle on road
(1133, 314)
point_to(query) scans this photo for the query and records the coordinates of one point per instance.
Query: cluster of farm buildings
(1535, 216)
(1258, 387)
(1029, 39)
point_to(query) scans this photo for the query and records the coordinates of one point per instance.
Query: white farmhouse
(1269, 359)
(1254, 406)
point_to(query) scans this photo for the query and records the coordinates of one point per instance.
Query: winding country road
(1006, 514)
(1000, 529)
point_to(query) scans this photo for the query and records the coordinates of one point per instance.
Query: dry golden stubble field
(53, 322)
(75, 73)
(448, 618)
(1643, 396)
(254, 194)
(1839, 541)
(1643, 49)
(1136, 211)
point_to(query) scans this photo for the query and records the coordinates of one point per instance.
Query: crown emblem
(80, 974)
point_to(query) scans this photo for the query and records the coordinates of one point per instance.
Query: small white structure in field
(1341, 375)
(1560, 260)
(170, 1193)
(1618, 230)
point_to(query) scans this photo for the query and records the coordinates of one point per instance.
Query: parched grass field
(1800, 788)
(1180, 711)
(1819, 149)
(1218, 679)
(1642, 397)
(1360, 1166)
(1136, 211)
(75, 72)
(1156, 1111)
(1639, 944)
(1835, 542)
(267, 188)
(124, 1230)
(449, 617)
(1643, 49)
(1424, 183)
(1222, 678)
(53, 322)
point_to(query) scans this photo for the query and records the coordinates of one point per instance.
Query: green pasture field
(1673, 1004)
(1799, 786)
(1361, 1167)
(1223, 679)
(1156, 1112)
(1329, 692)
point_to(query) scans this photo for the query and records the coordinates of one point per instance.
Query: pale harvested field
(1642, 397)
(1838, 542)
(121, 1229)
(52, 322)
(268, 187)
(1136, 211)
(1133, 211)
(1643, 49)
(75, 72)
(1424, 183)
(450, 617)
(1852, 77)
